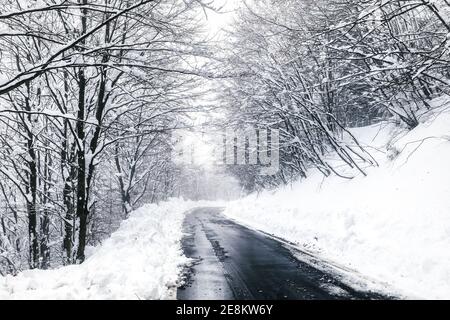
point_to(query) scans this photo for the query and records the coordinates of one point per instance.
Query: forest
(92, 92)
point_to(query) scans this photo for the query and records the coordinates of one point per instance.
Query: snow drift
(393, 225)
(141, 260)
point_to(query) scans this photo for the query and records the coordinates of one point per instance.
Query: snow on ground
(393, 225)
(141, 260)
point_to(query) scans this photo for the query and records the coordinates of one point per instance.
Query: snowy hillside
(393, 225)
(141, 260)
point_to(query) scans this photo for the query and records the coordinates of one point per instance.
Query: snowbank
(393, 225)
(141, 260)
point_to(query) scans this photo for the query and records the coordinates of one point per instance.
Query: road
(234, 262)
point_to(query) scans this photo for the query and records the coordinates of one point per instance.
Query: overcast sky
(219, 20)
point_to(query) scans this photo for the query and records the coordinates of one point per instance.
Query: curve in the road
(231, 262)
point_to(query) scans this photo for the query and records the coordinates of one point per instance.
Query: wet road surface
(232, 262)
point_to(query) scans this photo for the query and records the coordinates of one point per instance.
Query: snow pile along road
(393, 225)
(141, 260)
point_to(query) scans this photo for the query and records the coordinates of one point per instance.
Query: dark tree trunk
(69, 217)
(45, 217)
(81, 205)
(31, 190)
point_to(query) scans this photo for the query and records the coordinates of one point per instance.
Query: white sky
(216, 21)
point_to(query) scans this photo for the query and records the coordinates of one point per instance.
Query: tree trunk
(31, 190)
(82, 208)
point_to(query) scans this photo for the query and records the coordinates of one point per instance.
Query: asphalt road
(234, 262)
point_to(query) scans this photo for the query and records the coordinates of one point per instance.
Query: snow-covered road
(234, 262)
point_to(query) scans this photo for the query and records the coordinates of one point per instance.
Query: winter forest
(93, 92)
